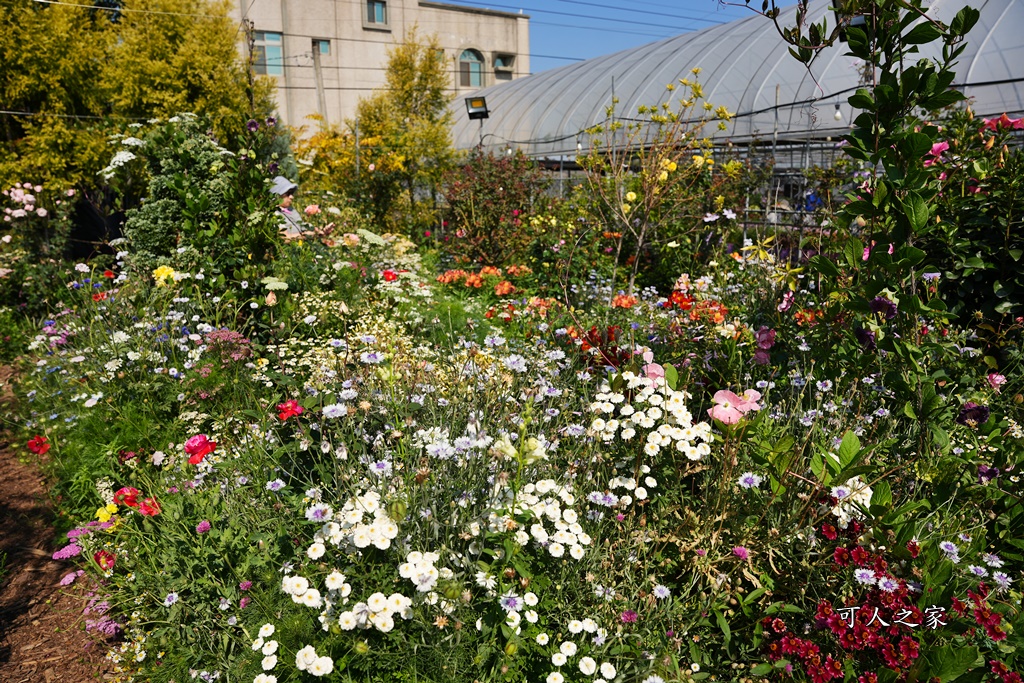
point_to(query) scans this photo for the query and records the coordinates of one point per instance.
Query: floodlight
(477, 108)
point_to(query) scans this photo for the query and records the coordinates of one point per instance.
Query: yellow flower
(162, 274)
(695, 70)
(626, 208)
(106, 512)
(723, 113)
(672, 166)
(631, 196)
(698, 160)
(663, 176)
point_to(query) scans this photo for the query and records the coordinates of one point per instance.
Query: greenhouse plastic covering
(746, 67)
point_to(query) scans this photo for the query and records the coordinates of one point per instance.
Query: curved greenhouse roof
(747, 68)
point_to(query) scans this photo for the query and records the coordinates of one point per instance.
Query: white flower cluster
(655, 409)
(268, 648)
(419, 568)
(378, 612)
(300, 590)
(350, 525)
(633, 490)
(850, 498)
(307, 660)
(544, 500)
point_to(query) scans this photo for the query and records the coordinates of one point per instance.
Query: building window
(268, 53)
(376, 14)
(471, 69)
(503, 67)
(322, 46)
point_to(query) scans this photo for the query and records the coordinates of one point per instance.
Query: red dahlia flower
(38, 444)
(127, 496)
(198, 447)
(289, 409)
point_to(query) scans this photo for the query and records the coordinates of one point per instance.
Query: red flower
(105, 559)
(198, 447)
(389, 275)
(149, 507)
(913, 548)
(127, 496)
(109, 274)
(38, 444)
(828, 531)
(289, 409)
(99, 296)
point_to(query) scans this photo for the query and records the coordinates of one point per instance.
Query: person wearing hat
(292, 226)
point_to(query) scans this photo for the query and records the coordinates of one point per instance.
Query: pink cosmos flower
(730, 408)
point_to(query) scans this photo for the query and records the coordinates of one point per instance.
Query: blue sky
(564, 30)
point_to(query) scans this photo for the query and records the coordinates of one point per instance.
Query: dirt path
(42, 626)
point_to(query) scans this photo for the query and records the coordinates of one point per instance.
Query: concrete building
(327, 54)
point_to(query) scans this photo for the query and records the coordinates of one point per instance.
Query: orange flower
(516, 271)
(623, 301)
(504, 288)
(474, 280)
(490, 270)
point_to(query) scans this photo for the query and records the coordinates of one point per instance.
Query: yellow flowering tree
(646, 168)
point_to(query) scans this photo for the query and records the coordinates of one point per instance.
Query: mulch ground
(42, 625)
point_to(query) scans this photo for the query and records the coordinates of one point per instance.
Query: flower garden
(628, 434)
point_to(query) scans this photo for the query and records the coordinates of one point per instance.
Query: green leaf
(923, 33)
(824, 266)
(882, 494)
(671, 376)
(916, 210)
(848, 449)
(949, 662)
(724, 625)
(761, 670)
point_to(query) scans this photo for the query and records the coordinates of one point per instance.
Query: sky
(563, 31)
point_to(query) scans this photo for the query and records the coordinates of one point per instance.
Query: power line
(585, 16)
(134, 11)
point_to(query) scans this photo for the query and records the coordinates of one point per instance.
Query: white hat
(282, 186)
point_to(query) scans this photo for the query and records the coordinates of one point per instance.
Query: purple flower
(866, 339)
(203, 526)
(67, 551)
(661, 592)
(1002, 580)
(882, 306)
(972, 414)
(987, 474)
(271, 122)
(741, 552)
(628, 617)
(253, 125)
(243, 602)
(170, 599)
(70, 577)
(977, 571)
(761, 357)
(511, 602)
(765, 338)
(245, 585)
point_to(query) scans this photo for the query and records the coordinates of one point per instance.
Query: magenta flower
(628, 617)
(203, 526)
(245, 585)
(741, 552)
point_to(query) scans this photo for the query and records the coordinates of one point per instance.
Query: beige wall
(358, 51)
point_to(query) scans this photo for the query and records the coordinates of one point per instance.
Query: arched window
(471, 69)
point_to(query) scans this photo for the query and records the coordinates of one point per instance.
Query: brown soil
(42, 627)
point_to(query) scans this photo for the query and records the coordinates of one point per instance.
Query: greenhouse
(745, 67)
